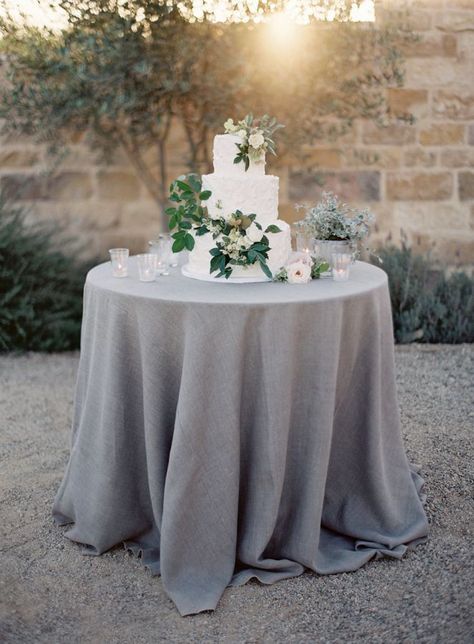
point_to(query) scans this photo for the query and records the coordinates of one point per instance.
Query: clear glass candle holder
(161, 249)
(305, 243)
(146, 267)
(341, 263)
(119, 261)
(162, 245)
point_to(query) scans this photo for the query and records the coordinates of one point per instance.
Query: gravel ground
(50, 593)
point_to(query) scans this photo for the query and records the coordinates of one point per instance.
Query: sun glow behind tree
(284, 12)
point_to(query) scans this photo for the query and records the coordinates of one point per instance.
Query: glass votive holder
(161, 249)
(119, 261)
(162, 244)
(146, 267)
(304, 243)
(341, 263)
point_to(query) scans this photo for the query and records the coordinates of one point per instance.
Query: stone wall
(416, 178)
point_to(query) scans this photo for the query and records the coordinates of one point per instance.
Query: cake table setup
(236, 415)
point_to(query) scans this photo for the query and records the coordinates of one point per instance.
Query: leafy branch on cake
(240, 239)
(256, 135)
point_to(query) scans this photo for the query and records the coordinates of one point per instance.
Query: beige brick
(288, 213)
(19, 157)
(70, 185)
(396, 134)
(457, 157)
(454, 20)
(456, 251)
(23, 187)
(419, 157)
(408, 101)
(327, 158)
(418, 20)
(432, 44)
(470, 135)
(466, 46)
(454, 104)
(308, 185)
(466, 185)
(442, 134)
(430, 216)
(459, 4)
(118, 185)
(134, 238)
(382, 158)
(406, 186)
(145, 214)
(438, 72)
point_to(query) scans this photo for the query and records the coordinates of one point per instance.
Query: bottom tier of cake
(198, 266)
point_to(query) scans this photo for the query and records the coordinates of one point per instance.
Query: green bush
(40, 286)
(427, 305)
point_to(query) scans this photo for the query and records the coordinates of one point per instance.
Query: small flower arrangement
(301, 268)
(256, 135)
(332, 220)
(240, 241)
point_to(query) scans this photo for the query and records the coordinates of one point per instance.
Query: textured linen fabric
(230, 431)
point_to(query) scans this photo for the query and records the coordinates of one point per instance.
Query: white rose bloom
(256, 140)
(298, 273)
(229, 125)
(242, 134)
(254, 233)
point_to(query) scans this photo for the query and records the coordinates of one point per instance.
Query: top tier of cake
(225, 151)
(233, 188)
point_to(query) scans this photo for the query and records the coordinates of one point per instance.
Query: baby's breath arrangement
(256, 135)
(332, 220)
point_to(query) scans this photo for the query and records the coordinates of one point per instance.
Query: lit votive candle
(340, 266)
(119, 261)
(304, 243)
(162, 267)
(146, 267)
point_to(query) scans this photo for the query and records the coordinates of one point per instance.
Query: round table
(230, 431)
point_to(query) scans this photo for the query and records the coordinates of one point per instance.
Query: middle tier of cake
(256, 194)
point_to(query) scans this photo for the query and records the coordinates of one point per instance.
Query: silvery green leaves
(330, 219)
(256, 136)
(188, 213)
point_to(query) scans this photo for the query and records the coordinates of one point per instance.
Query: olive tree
(124, 70)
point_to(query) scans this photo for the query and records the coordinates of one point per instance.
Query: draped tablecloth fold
(228, 431)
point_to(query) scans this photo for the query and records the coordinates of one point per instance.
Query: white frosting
(280, 243)
(250, 192)
(257, 195)
(225, 151)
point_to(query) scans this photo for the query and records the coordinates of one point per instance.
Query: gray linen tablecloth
(230, 431)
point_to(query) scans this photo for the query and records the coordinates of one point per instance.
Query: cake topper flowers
(256, 137)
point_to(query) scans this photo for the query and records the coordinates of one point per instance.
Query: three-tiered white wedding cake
(249, 191)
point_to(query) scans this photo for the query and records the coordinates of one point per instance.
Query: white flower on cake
(242, 134)
(229, 125)
(254, 233)
(256, 140)
(298, 272)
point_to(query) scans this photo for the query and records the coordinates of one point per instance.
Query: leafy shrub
(427, 305)
(40, 286)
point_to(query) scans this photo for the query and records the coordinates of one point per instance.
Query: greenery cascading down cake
(234, 231)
